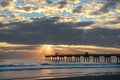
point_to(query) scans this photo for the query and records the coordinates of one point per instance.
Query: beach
(100, 77)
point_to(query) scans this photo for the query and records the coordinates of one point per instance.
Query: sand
(98, 77)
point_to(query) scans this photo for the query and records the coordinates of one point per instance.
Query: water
(31, 69)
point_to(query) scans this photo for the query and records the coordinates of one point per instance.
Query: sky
(33, 28)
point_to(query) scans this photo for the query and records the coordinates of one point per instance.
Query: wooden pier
(83, 57)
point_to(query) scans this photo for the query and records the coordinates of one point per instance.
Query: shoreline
(87, 77)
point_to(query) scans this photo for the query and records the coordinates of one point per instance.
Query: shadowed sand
(98, 77)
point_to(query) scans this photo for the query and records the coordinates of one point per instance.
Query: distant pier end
(82, 57)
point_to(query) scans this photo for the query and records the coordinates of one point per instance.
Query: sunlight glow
(5, 44)
(46, 49)
(77, 49)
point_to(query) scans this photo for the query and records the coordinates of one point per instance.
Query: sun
(46, 49)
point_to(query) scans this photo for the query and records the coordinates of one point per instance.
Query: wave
(49, 64)
(20, 67)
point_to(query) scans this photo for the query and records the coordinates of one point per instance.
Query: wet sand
(98, 77)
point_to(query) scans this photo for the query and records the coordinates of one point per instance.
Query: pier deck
(86, 57)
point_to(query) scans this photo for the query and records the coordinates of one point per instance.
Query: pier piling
(86, 57)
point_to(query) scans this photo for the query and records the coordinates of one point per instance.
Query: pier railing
(85, 57)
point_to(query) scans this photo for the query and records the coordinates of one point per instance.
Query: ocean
(39, 69)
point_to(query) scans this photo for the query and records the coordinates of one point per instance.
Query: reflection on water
(56, 73)
(34, 69)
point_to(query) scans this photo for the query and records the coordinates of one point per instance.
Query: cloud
(17, 51)
(74, 1)
(66, 24)
(27, 8)
(14, 17)
(85, 48)
(82, 24)
(7, 4)
(62, 3)
(49, 9)
(59, 8)
(112, 22)
(68, 19)
(118, 10)
(1, 17)
(38, 1)
(93, 10)
(89, 11)
(77, 9)
(27, 52)
(4, 18)
(108, 5)
(47, 31)
(71, 20)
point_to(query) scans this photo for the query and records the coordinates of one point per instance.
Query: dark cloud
(82, 24)
(5, 3)
(27, 8)
(47, 31)
(77, 9)
(62, 3)
(104, 36)
(116, 21)
(113, 22)
(109, 4)
(49, 1)
(1, 24)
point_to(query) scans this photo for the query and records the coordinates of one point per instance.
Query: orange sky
(38, 51)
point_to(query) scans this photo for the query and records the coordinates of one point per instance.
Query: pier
(83, 57)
